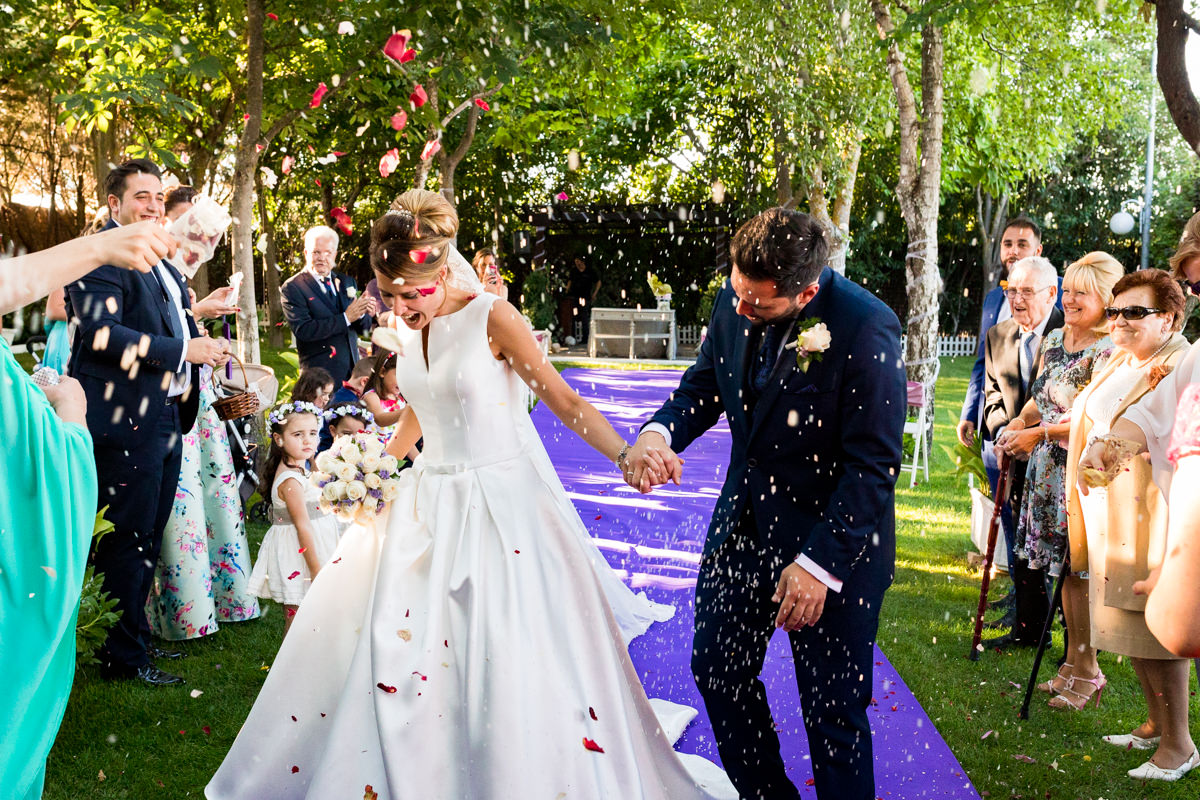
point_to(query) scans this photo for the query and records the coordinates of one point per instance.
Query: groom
(803, 535)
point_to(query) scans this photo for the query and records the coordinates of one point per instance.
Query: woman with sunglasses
(477, 652)
(1069, 357)
(1118, 531)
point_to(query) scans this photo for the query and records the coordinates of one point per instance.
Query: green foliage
(97, 612)
(967, 460)
(538, 300)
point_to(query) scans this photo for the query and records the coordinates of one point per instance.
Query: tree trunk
(990, 216)
(104, 153)
(242, 204)
(1174, 25)
(919, 187)
(784, 194)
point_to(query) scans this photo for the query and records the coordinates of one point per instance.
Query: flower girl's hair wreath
(278, 415)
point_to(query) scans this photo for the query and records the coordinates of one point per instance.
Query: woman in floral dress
(204, 568)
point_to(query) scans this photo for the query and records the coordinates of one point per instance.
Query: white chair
(918, 423)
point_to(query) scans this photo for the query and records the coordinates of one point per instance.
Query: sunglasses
(1132, 312)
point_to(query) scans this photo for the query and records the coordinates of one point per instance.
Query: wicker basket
(241, 404)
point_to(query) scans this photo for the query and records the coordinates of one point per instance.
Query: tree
(1174, 25)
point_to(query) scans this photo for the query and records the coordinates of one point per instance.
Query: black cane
(1002, 482)
(1044, 642)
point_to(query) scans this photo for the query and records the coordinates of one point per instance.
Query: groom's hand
(650, 462)
(801, 598)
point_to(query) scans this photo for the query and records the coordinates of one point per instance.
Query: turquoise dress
(47, 510)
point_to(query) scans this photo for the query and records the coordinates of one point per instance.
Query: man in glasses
(1010, 366)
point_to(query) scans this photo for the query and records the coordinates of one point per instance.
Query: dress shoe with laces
(1152, 772)
(155, 651)
(153, 676)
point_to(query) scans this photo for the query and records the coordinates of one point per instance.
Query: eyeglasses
(1132, 312)
(1024, 292)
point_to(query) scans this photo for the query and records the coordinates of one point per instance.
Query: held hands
(1019, 441)
(363, 304)
(651, 463)
(205, 350)
(138, 246)
(801, 598)
(217, 304)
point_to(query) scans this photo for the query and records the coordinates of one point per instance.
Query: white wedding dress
(467, 646)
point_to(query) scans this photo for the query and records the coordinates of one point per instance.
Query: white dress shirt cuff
(347, 318)
(819, 572)
(183, 357)
(659, 428)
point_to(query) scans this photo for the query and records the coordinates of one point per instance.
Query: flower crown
(281, 412)
(358, 412)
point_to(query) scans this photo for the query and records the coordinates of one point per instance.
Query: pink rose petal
(399, 120)
(479, 101)
(396, 44)
(418, 97)
(430, 150)
(409, 55)
(272, 15)
(321, 91)
(389, 162)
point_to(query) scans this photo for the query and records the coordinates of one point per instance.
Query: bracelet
(1045, 433)
(624, 451)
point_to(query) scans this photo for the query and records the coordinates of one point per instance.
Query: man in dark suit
(1010, 366)
(324, 308)
(136, 355)
(803, 534)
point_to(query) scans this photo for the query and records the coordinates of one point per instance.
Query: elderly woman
(1069, 356)
(1118, 530)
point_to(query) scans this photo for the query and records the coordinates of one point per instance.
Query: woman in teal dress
(47, 510)
(204, 566)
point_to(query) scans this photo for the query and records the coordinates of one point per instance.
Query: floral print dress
(203, 572)
(1042, 530)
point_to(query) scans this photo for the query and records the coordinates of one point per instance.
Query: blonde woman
(1119, 531)
(1069, 357)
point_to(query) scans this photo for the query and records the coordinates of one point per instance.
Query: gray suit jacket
(1003, 396)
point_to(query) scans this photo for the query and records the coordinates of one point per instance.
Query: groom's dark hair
(784, 246)
(114, 182)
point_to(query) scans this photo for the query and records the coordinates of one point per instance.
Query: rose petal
(588, 744)
(418, 256)
(479, 101)
(295, 769)
(430, 150)
(272, 15)
(386, 688)
(399, 120)
(287, 164)
(418, 97)
(592, 712)
(322, 89)
(396, 44)
(293, 575)
(409, 55)
(346, 27)
(561, 197)
(389, 162)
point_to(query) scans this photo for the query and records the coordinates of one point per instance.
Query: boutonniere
(812, 339)
(1157, 373)
(351, 292)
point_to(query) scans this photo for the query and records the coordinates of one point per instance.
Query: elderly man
(324, 309)
(1010, 366)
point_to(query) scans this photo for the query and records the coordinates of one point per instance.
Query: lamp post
(1148, 197)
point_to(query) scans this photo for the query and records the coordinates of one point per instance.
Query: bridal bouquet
(356, 477)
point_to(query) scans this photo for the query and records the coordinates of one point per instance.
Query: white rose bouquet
(356, 478)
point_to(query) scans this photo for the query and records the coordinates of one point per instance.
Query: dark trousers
(833, 662)
(1029, 585)
(138, 486)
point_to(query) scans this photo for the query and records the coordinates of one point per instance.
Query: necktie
(329, 286)
(764, 362)
(1027, 354)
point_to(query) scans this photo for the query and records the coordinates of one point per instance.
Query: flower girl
(301, 538)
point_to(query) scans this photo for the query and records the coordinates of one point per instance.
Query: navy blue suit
(812, 471)
(323, 339)
(127, 349)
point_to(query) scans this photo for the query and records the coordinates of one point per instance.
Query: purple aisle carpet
(655, 541)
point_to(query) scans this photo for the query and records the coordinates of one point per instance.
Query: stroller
(244, 432)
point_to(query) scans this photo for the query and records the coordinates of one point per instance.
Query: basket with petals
(356, 478)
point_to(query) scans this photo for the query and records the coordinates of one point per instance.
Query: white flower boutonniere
(351, 292)
(812, 340)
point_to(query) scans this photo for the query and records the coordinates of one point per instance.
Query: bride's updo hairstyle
(409, 242)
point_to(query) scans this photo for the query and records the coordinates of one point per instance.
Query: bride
(472, 643)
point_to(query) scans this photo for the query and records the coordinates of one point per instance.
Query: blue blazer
(323, 339)
(125, 353)
(818, 455)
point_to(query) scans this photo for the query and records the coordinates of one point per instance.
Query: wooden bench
(632, 332)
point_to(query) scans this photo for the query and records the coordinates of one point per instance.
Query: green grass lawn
(124, 741)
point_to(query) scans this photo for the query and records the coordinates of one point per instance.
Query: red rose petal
(272, 15)
(592, 712)
(430, 150)
(295, 769)
(287, 164)
(245, 117)
(418, 256)
(809, 782)
(409, 55)
(396, 44)
(422, 677)
(207, 730)
(399, 120)
(588, 744)
(389, 162)
(293, 575)
(321, 91)
(338, 153)
(479, 101)
(418, 97)
(386, 688)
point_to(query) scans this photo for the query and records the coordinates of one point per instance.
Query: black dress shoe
(1006, 602)
(1003, 623)
(155, 651)
(152, 675)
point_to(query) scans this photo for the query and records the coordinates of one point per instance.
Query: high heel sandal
(1048, 686)
(1077, 701)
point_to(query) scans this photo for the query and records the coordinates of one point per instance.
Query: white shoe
(1152, 772)
(1131, 742)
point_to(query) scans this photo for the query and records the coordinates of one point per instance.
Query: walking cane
(1044, 642)
(993, 528)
